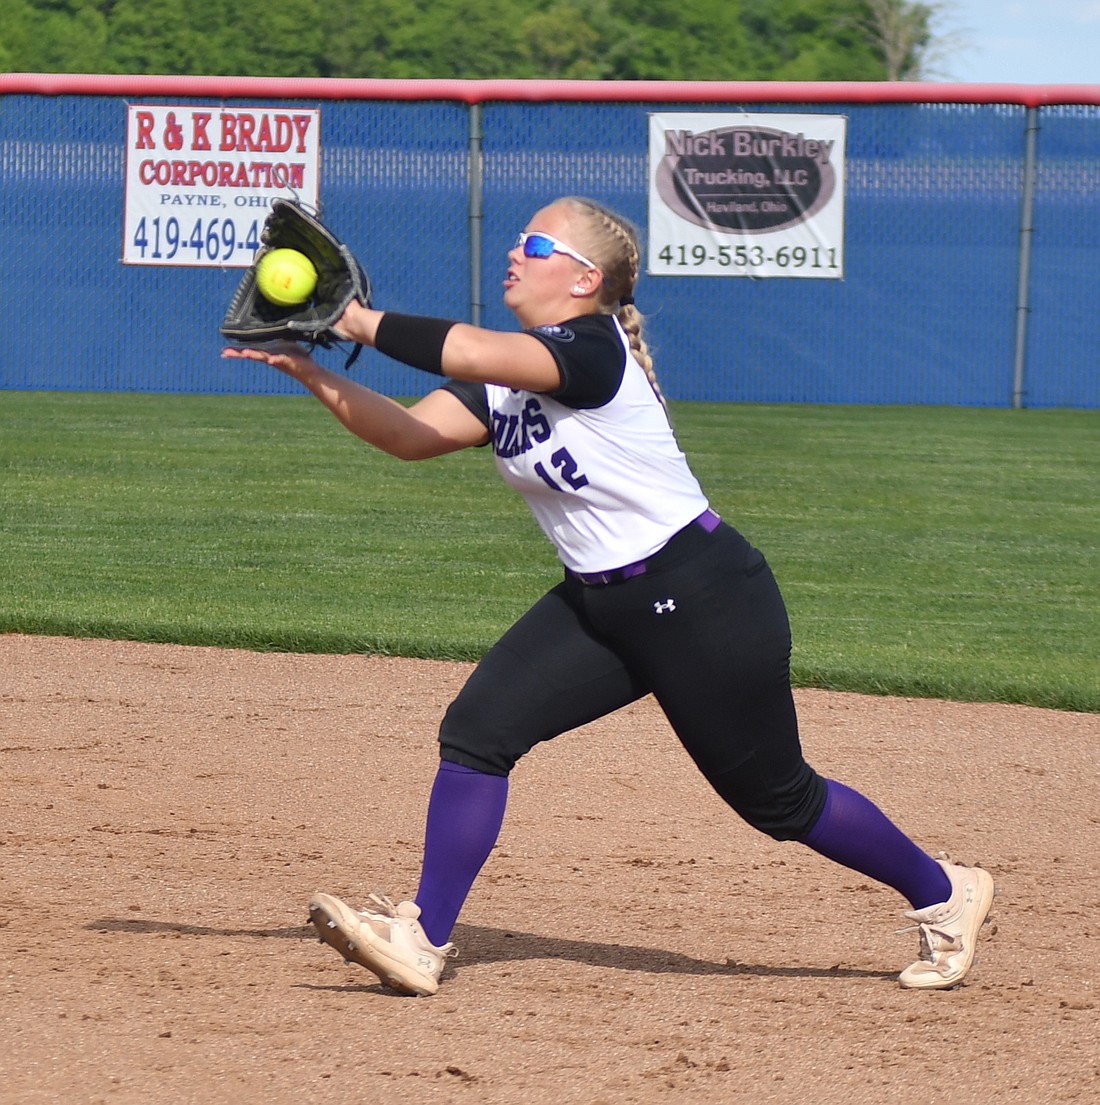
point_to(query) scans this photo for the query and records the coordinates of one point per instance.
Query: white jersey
(597, 461)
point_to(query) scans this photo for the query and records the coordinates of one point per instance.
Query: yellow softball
(286, 277)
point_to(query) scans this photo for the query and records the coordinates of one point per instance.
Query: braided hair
(612, 242)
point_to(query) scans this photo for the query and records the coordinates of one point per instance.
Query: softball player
(659, 596)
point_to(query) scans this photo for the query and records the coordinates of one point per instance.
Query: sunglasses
(543, 245)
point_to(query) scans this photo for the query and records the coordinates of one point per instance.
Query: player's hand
(288, 357)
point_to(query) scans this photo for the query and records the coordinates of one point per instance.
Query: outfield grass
(923, 551)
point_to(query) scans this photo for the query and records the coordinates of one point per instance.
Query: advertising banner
(200, 180)
(746, 195)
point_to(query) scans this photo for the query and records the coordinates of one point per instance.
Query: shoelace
(386, 909)
(926, 928)
(945, 942)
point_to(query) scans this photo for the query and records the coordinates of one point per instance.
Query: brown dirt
(169, 810)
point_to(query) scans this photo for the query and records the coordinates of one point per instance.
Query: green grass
(923, 551)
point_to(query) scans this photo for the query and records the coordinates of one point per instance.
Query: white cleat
(949, 931)
(387, 940)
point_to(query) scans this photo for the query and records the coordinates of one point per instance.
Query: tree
(14, 19)
(904, 36)
(594, 39)
(463, 39)
(182, 36)
(569, 40)
(52, 36)
(362, 39)
(810, 40)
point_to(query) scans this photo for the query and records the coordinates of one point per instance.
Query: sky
(1021, 41)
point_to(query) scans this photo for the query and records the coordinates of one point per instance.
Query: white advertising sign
(200, 180)
(746, 195)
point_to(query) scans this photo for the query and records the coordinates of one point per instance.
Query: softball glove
(253, 320)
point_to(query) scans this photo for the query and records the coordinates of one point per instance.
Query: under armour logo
(665, 607)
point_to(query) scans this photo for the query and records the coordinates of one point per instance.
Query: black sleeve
(591, 357)
(473, 398)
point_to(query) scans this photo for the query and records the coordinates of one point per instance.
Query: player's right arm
(437, 424)
(472, 353)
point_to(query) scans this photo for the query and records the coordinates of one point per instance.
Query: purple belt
(707, 521)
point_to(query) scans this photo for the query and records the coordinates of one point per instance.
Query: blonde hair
(612, 243)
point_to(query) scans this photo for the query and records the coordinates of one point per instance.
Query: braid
(612, 242)
(632, 320)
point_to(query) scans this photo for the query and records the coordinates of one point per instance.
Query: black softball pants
(705, 630)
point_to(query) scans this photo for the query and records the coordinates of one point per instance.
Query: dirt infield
(169, 810)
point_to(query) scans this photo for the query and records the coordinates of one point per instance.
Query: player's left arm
(437, 424)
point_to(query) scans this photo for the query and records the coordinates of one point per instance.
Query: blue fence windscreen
(927, 311)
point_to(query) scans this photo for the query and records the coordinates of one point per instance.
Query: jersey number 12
(567, 467)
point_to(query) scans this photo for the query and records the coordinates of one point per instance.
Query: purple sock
(465, 813)
(854, 832)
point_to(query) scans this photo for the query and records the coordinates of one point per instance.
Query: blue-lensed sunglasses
(543, 245)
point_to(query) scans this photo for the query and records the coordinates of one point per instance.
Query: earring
(578, 290)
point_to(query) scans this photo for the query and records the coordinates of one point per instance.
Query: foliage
(573, 39)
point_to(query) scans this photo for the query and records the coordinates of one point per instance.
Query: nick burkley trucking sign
(759, 195)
